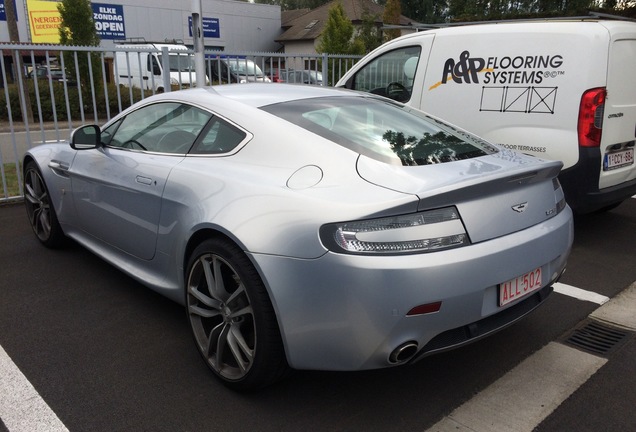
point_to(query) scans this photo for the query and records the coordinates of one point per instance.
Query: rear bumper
(580, 184)
(344, 312)
(474, 331)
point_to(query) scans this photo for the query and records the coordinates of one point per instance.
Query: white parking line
(21, 407)
(527, 394)
(519, 400)
(580, 294)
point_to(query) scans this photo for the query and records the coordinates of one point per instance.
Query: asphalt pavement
(604, 402)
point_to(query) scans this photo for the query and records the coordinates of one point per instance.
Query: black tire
(40, 210)
(232, 318)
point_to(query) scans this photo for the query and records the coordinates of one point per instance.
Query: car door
(118, 187)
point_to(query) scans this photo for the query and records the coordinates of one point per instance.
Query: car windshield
(382, 130)
(244, 67)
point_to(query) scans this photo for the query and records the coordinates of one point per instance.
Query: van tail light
(590, 124)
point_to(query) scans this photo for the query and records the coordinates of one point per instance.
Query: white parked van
(556, 89)
(141, 66)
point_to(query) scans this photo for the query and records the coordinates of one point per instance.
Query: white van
(556, 89)
(141, 66)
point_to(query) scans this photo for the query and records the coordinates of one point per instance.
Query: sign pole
(199, 46)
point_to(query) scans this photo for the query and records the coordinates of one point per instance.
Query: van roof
(592, 17)
(527, 25)
(151, 45)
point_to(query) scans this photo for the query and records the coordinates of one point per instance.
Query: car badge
(520, 208)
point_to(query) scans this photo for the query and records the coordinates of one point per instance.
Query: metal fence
(49, 90)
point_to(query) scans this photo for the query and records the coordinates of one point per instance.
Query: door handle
(143, 180)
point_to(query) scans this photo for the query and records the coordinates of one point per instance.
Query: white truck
(556, 89)
(144, 65)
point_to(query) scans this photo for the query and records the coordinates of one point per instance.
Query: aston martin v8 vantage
(306, 227)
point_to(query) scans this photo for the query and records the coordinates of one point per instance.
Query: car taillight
(559, 195)
(428, 231)
(590, 124)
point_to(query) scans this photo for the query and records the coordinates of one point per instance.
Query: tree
(337, 36)
(77, 28)
(294, 4)
(425, 11)
(392, 12)
(467, 10)
(369, 34)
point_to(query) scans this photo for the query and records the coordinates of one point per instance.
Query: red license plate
(520, 286)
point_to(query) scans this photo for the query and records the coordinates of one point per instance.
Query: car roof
(261, 94)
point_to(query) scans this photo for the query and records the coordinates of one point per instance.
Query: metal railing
(49, 90)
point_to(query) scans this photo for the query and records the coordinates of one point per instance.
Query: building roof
(305, 24)
(290, 15)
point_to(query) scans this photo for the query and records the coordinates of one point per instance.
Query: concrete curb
(530, 392)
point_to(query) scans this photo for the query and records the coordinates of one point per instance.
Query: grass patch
(11, 177)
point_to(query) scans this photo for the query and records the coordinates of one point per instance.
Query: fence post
(325, 70)
(165, 65)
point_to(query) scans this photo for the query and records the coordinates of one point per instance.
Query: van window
(179, 62)
(391, 74)
(152, 65)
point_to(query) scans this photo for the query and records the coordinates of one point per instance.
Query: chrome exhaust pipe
(403, 353)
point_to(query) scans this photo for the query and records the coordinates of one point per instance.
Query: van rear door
(619, 123)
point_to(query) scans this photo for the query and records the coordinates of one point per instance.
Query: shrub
(58, 92)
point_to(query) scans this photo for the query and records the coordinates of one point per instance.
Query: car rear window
(382, 130)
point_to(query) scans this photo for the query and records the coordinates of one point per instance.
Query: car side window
(166, 127)
(219, 137)
(390, 74)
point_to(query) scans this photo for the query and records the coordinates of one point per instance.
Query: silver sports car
(306, 227)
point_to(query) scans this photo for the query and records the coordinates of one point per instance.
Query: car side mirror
(86, 137)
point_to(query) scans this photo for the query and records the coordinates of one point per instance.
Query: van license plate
(618, 159)
(518, 287)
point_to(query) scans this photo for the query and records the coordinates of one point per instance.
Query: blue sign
(3, 13)
(109, 21)
(211, 28)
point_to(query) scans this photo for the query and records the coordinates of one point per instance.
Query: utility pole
(14, 37)
(199, 45)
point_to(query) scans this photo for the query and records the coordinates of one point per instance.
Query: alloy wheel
(38, 204)
(221, 316)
